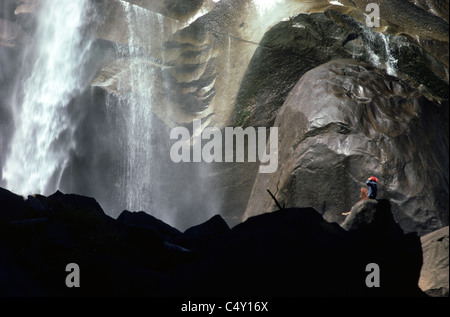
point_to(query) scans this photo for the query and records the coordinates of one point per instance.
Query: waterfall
(43, 135)
(266, 7)
(379, 51)
(391, 61)
(270, 11)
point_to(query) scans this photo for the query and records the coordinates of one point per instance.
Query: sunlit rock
(434, 276)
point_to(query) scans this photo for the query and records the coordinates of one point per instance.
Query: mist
(60, 132)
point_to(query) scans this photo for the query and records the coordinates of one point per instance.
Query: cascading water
(271, 11)
(137, 184)
(391, 61)
(266, 6)
(43, 135)
(181, 195)
(380, 53)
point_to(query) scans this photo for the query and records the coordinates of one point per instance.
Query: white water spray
(265, 7)
(138, 185)
(382, 57)
(391, 62)
(43, 136)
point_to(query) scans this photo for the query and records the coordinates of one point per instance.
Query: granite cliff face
(349, 101)
(346, 120)
(293, 47)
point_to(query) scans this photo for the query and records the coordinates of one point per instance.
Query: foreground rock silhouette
(290, 252)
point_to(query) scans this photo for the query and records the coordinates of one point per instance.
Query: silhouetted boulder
(291, 252)
(204, 235)
(295, 252)
(144, 220)
(12, 207)
(37, 204)
(74, 202)
(372, 215)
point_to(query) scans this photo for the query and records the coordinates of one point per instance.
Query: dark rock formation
(345, 121)
(148, 222)
(434, 276)
(204, 235)
(372, 214)
(293, 47)
(292, 252)
(13, 207)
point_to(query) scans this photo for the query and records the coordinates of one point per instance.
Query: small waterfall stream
(137, 112)
(132, 110)
(379, 51)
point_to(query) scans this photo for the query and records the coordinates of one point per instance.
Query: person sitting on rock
(373, 189)
(366, 194)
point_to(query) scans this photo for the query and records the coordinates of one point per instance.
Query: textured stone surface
(291, 48)
(198, 66)
(436, 7)
(345, 121)
(434, 275)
